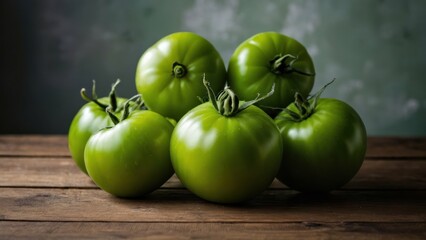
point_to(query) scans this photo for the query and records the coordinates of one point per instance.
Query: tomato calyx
(94, 98)
(305, 107)
(228, 103)
(132, 104)
(282, 64)
(178, 70)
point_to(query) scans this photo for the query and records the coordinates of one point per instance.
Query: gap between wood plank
(217, 222)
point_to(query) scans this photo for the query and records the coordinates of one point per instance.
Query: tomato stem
(257, 99)
(94, 98)
(284, 64)
(111, 115)
(137, 99)
(113, 96)
(305, 107)
(178, 70)
(210, 92)
(129, 106)
(228, 103)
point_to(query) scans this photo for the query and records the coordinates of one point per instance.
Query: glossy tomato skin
(324, 151)
(162, 89)
(226, 159)
(88, 120)
(250, 70)
(132, 158)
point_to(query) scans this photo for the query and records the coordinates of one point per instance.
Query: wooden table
(44, 195)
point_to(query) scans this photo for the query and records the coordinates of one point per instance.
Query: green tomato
(169, 73)
(89, 119)
(226, 159)
(132, 158)
(270, 58)
(324, 143)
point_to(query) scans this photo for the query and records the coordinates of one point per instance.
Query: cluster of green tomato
(226, 133)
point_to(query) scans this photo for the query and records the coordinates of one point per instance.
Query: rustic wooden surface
(44, 195)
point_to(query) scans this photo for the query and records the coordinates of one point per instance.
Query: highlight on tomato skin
(131, 158)
(324, 142)
(91, 117)
(169, 73)
(225, 152)
(269, 58)
(228, 149)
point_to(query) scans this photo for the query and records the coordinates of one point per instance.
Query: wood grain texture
(57, 145)
(44, 195)
(62, 172)
(179, 205)
(300, 230)
(396, 147)
(34, 145)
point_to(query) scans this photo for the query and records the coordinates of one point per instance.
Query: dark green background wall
(50, 49)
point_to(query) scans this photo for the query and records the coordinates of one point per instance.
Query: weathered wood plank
(390, 175)
(57, 145)
(396, 147)
(302, 230)
(34, 145)
(179, 205)
(41, 172)
(44, 195)
(62, 172)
